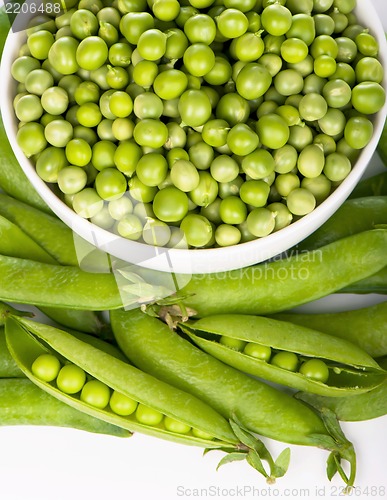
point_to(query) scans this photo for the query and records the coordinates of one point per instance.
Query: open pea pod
(27, 340)
(282, 352)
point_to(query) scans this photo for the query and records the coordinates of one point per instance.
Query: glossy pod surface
(283, 284)
(64, 286)
(349, 370)
(259, 407)
(8, 366)
(23, 403)
(365, 406)
(366, 327)
(24, 342)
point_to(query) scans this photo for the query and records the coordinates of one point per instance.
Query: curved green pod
(24, 340)
(372, 404)
(23, 403)
(372, 186)
(46, 230)
(351, 370)
(280, 285)
(354, 216)
(365, 327)
(152, 346)
(8, 366)
(27, 282)
(376, 283)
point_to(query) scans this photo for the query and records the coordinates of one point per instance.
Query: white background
(58, 464)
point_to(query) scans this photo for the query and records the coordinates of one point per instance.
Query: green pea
(130, 227)
(259, 164)
(232, 210)
(71, 379)
(156, 233)
(87, 203)
(285, 360)
(300, 201)
(126, 156)
(273, 131)
(232, 343)
(227, 235)
(71, 180)
(184, 175)
(367, 44)
(333, 123)
(22, 66)
(150, 132)
(197, 230)
(311, 161)
(285, 159)
(206, 191)
(258, 351)
(319, 186)
(31, 138)
(315, 369)
(46, 367)
(255, 193)
(327, 143)
(358, 132)
(313, 107)
(152, 169)
(337, 93)
(95, 393)
(282, 214)
(148, 416)
(261, 222)
(103, 155)
(140, 192)
(337, 167)
(121, 404)
(288, 82)
(201, 434)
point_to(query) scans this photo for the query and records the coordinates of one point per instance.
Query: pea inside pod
(287, 354)
(99, 384)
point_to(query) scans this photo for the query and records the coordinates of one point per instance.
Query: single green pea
(152, 169)
(285, 159)
(319, 186)
(120, 207)
(286, 183)
(255, 193)
(285, 360)
(46, 367)
(283, 216)
(258, 351)
(232, 210)
(87, 203)
(140, 192)
(148, 416)
(156, 232)
(315, 369)
(197, 230)
(95, 393)
(31, 138)
(71, 179)
(71, 379)
(121, 404)
(358, 132)
(206, 191)
(201, 434)
(311, 161)
(176, 426)
(300, 201)
(130, 227)
(258, 164)
(261, 222)
(337, 167)
(232, 343)
(226, 234)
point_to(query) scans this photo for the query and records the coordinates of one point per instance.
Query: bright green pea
(300, 201)
(258, 164)
(103, 153)
(224, 168)
(242, 140)
(184, 175)
(315, 369)
(206, 191)
(313, 107)
(89, 114)
(78, 152)
(130, 227)
(38, 80)
(201, 434)
(39, 43)
(174, 425)
(236, 344)
(337, 167)
(282, 214)
(121, 104)
(170, 204)
(28, 108)
(121, 404)
(122, 129)
(197, 230)
(327, 143)
(50, 162)
(261, 222)
(232, 23)
(71, 379)
(126, 157)
(71, 180)
(319, 186)
(58, 133)
(232, 210)
(140, 192)
(148, 416)
(46, 367)
(152, 169)
(95, 393)
(87, 203)
(110, 184)
(156, 233)
(333, 123)
(276, 19)
(255, 193)
(358, 132)
(92, 53)
(227, 235)
(324, 66)
(151, 133)
(120, 207)
(273, 131)
(22, 66)
(285, 159)
(368, 97)
(286, 361)
(31, 138)
(311, 161)
(258, 351)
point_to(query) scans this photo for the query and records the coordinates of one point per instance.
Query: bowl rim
(201, 260)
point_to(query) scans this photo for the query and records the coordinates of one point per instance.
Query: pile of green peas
(197, 123)
(73, 380)
(313, 368)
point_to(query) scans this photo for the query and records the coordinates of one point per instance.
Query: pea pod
(23, 403)
(262, 409)
(376, 283)
(27, 282)
(47, 230)
(372, 186)
(366, 406)
(280, 285)
(28, 340)
(366, 327)
(342, 368)
(14, 242)
(8, 367)
(354, 216)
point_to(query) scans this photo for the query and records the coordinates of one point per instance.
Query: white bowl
(197, 260)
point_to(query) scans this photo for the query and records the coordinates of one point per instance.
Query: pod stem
(340, 447)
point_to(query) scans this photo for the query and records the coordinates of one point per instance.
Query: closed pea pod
(341, 367)
(142, 402)
(255, 404)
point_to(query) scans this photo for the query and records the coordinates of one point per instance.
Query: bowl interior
(199, 260)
